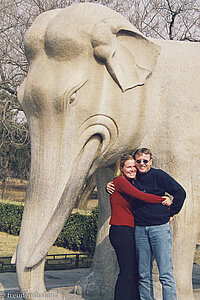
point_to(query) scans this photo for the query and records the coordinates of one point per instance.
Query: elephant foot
(93, 287)
(67, 294)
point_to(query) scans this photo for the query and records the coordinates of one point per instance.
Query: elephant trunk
(33, 246)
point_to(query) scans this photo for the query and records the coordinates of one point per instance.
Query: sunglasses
(145, 161)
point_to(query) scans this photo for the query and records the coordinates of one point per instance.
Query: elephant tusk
(67, 201)
(14, 257)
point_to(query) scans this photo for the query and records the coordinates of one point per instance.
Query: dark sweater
(157, 182)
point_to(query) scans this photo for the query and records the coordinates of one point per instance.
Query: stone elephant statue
(97, 88)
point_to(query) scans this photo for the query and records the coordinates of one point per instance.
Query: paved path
(66, 279)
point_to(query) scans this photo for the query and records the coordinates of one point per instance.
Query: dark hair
(121, 162)
(142, 151)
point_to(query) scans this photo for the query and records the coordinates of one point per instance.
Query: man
(153, 233)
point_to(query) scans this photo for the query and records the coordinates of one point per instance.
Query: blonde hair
(120, 164)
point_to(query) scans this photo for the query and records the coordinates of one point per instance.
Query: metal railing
(54, 262)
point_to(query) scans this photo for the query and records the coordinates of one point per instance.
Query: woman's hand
(110, 188)
(167, 201)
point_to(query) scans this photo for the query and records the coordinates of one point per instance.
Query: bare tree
(166, 19)
(162, 19)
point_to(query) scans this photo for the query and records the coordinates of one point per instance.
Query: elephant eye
(71, 96)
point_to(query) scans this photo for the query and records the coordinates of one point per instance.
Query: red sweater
(120, 201)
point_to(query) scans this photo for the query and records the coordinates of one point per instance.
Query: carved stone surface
(97, 88)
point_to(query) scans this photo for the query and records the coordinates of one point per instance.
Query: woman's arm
(125, 187)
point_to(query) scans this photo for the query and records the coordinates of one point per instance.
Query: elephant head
(83, 61)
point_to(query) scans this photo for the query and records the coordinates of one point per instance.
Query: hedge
(10, 217)
(78, 234)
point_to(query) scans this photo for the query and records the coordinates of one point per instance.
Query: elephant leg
(102, 276)
(185, 237)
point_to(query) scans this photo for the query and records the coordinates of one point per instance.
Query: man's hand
(167, 201)
(110, 188)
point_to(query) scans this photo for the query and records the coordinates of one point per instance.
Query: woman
(122, 226)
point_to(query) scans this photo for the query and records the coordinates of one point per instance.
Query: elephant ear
(129, 56)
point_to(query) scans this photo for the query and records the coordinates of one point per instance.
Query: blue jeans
(155, 242)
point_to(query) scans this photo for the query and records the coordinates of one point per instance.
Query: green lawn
(8, 244)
